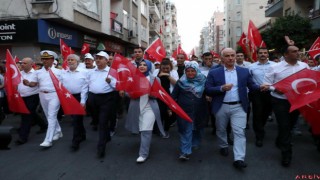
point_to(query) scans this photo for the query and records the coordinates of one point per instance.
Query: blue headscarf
(149, 66)
(195, 85)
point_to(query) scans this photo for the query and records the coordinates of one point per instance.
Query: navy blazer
(216, 79)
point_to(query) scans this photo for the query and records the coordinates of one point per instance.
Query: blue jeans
(188, 136)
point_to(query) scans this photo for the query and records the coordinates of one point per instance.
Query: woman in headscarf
(142, 114)
(188, 93)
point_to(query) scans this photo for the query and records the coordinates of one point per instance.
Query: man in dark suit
(228, 87)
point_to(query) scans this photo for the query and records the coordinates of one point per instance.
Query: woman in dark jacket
(188, 93)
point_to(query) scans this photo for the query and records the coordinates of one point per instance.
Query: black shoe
(100, 153)
(286, 162)
(259, 143)
(239, 164)
(224, 151)
(230, 141)
(20, 142)
(95, 128)
(42, 130)
(83, 138)
(75, 146)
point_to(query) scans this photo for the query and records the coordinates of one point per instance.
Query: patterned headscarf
(195, 85)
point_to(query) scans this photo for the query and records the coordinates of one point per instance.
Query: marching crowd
(221, 89)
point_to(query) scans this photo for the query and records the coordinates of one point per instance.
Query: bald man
(227, 85)
(31, 99)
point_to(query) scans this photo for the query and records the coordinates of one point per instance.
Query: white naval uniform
(49, 100)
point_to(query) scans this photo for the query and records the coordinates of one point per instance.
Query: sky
(192, 16)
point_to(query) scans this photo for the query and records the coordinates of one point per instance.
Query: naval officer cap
(46, 54)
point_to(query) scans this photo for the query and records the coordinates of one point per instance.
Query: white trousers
(238, 119)
(50, 104)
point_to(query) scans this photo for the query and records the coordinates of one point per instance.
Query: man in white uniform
(48, 97)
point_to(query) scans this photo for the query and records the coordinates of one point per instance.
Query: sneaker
(46, 144)
(184, 157)
(57, 136)
(166, 136)
(141, 159)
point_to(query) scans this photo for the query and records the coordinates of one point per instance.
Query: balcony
(314, 15)
(154, 29)
(154, 11)
(275, 9)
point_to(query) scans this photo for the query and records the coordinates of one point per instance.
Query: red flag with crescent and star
(314, 50)
(158, 91)
(85, 48)
(69, 104)
(301, 88)
(156, 50)
(311, 113)
(243, 42)
(129, 78)
(179, 50)
(12, 80)
(65, 51)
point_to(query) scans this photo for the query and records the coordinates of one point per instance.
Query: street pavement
(30, 162)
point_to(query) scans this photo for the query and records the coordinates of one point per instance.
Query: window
(134, 26)
(238, 17)
(91, 8)
(238, 32)
(125, 19)
(143, 8)
(238, 2)
(144, 33)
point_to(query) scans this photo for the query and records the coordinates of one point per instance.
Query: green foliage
(298, 28)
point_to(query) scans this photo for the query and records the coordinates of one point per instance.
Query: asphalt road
(29, 161)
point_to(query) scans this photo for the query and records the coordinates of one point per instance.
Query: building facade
(237, 14)
(110, 25)
(171, 37)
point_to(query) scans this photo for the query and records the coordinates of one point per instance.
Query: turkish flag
(149, 57)
(129, 78)
(12, 80)
(69, 104)
(254, 35)
(314, 50)
(85, 48)
(159, 92)
(65, 51)
(156, 50)
(214, 54)
(301, 88)
(179, 50)
(192, 53)
(243, 43)
(311, 112)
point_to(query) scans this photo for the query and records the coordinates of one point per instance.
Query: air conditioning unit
(131, 34)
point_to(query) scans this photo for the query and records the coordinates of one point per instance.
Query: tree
(298, 28)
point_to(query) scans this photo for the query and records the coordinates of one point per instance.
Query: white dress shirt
(280, 71)
(44, 80)
(76, 82)
(245, 64)
(258, 70)
(26, 91)
(231, 78)
(97, 81)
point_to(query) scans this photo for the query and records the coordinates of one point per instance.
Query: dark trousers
(114, 112)
(79, 132)
(26, 119)
(261, 108)
(285, 121)
(101, 109)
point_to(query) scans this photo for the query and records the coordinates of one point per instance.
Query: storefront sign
(18, 31)
(51, 33)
